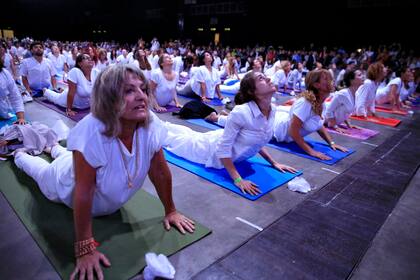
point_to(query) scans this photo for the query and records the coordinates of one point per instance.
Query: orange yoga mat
(378, 120)
(390, 111)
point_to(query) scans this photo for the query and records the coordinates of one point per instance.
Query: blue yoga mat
(293, 148)
(204, 123)
(232, 82)
(10, 121)
(215, 101)
(255, 169)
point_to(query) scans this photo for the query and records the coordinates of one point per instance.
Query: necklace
(129, 178)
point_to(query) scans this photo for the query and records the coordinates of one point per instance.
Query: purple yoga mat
(361, 133)
(169, 109)
(80, 113)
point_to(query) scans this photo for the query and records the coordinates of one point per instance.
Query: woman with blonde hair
(109, 154)
(305, 116)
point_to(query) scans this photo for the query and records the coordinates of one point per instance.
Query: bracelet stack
(85, 247)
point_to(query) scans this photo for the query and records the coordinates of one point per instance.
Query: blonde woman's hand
(284, 168)
(338, 147)
(178, 220)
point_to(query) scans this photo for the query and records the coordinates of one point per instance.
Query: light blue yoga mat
(10, 121)
(293, 148)
(255, 169)
(204, 123)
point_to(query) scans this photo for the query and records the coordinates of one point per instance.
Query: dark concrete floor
(234, 245)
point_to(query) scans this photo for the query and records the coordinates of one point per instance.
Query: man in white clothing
(37, 72)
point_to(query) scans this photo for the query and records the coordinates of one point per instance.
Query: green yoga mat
(125, 236)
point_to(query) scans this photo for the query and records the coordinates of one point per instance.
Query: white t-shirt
(7, 62)
(246, 131)
(83, 87)
(302, 109)
(103, 154)
(165, 90)
(101, 66)
(38, 74)
(365, 98)
(57, 62)
(70, 62)
(10, 99)
(383, 94)
(123, 60)
(280, 78)
(211, 79)
(341, 106)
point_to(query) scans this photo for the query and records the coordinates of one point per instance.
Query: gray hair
(107, 103)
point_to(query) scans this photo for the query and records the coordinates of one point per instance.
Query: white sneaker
(27, 98)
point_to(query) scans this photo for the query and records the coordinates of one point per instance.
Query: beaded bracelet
(237, 180)
(85, 247)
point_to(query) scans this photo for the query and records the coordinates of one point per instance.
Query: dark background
(350, 23)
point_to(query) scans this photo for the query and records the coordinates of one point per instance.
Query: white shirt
(103, 154)
(10, 99)
(178, 64)
(302, 109)
(383, 94)
(38, 74)
(57, 61)
(123, 60)
(165, 90)
(7, 62)
(101, 66)
(280, 78)
(70, 61)
(247, 130)
(211, 79)
(83, 87)
(294, 79)
(365, 98)
(341, 106)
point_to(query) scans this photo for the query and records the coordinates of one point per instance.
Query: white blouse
(10, 99)
(341, 106)
(383, 94)
(247, 130)
(302, 109)
(165, 90)
(365, 98)
(211, 79)
(103, 154)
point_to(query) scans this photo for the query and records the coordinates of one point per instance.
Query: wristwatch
(332, 143)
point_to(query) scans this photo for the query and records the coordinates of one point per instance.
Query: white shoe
(27, 98)
(19, 150)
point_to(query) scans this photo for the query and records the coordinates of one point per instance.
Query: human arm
(203, 91)
(85, 184)
(294, 132)
(160, 175)
(26, 84)
(153, 100)
(15, 99)
(219, 94)
(280, 167)
(70, 98)
(327, 137)
(245, 186)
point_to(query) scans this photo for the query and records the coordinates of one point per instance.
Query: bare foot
(213, 117)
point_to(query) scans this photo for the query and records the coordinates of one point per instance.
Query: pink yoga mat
(358, 133)
(378, 120)
(390, 111)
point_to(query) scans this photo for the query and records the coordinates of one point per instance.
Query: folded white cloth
(158, 266)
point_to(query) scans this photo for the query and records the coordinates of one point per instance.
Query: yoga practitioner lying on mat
(248, 128)
(305, 115)
(113, 150)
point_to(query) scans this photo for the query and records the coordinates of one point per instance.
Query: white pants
(40, 170)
